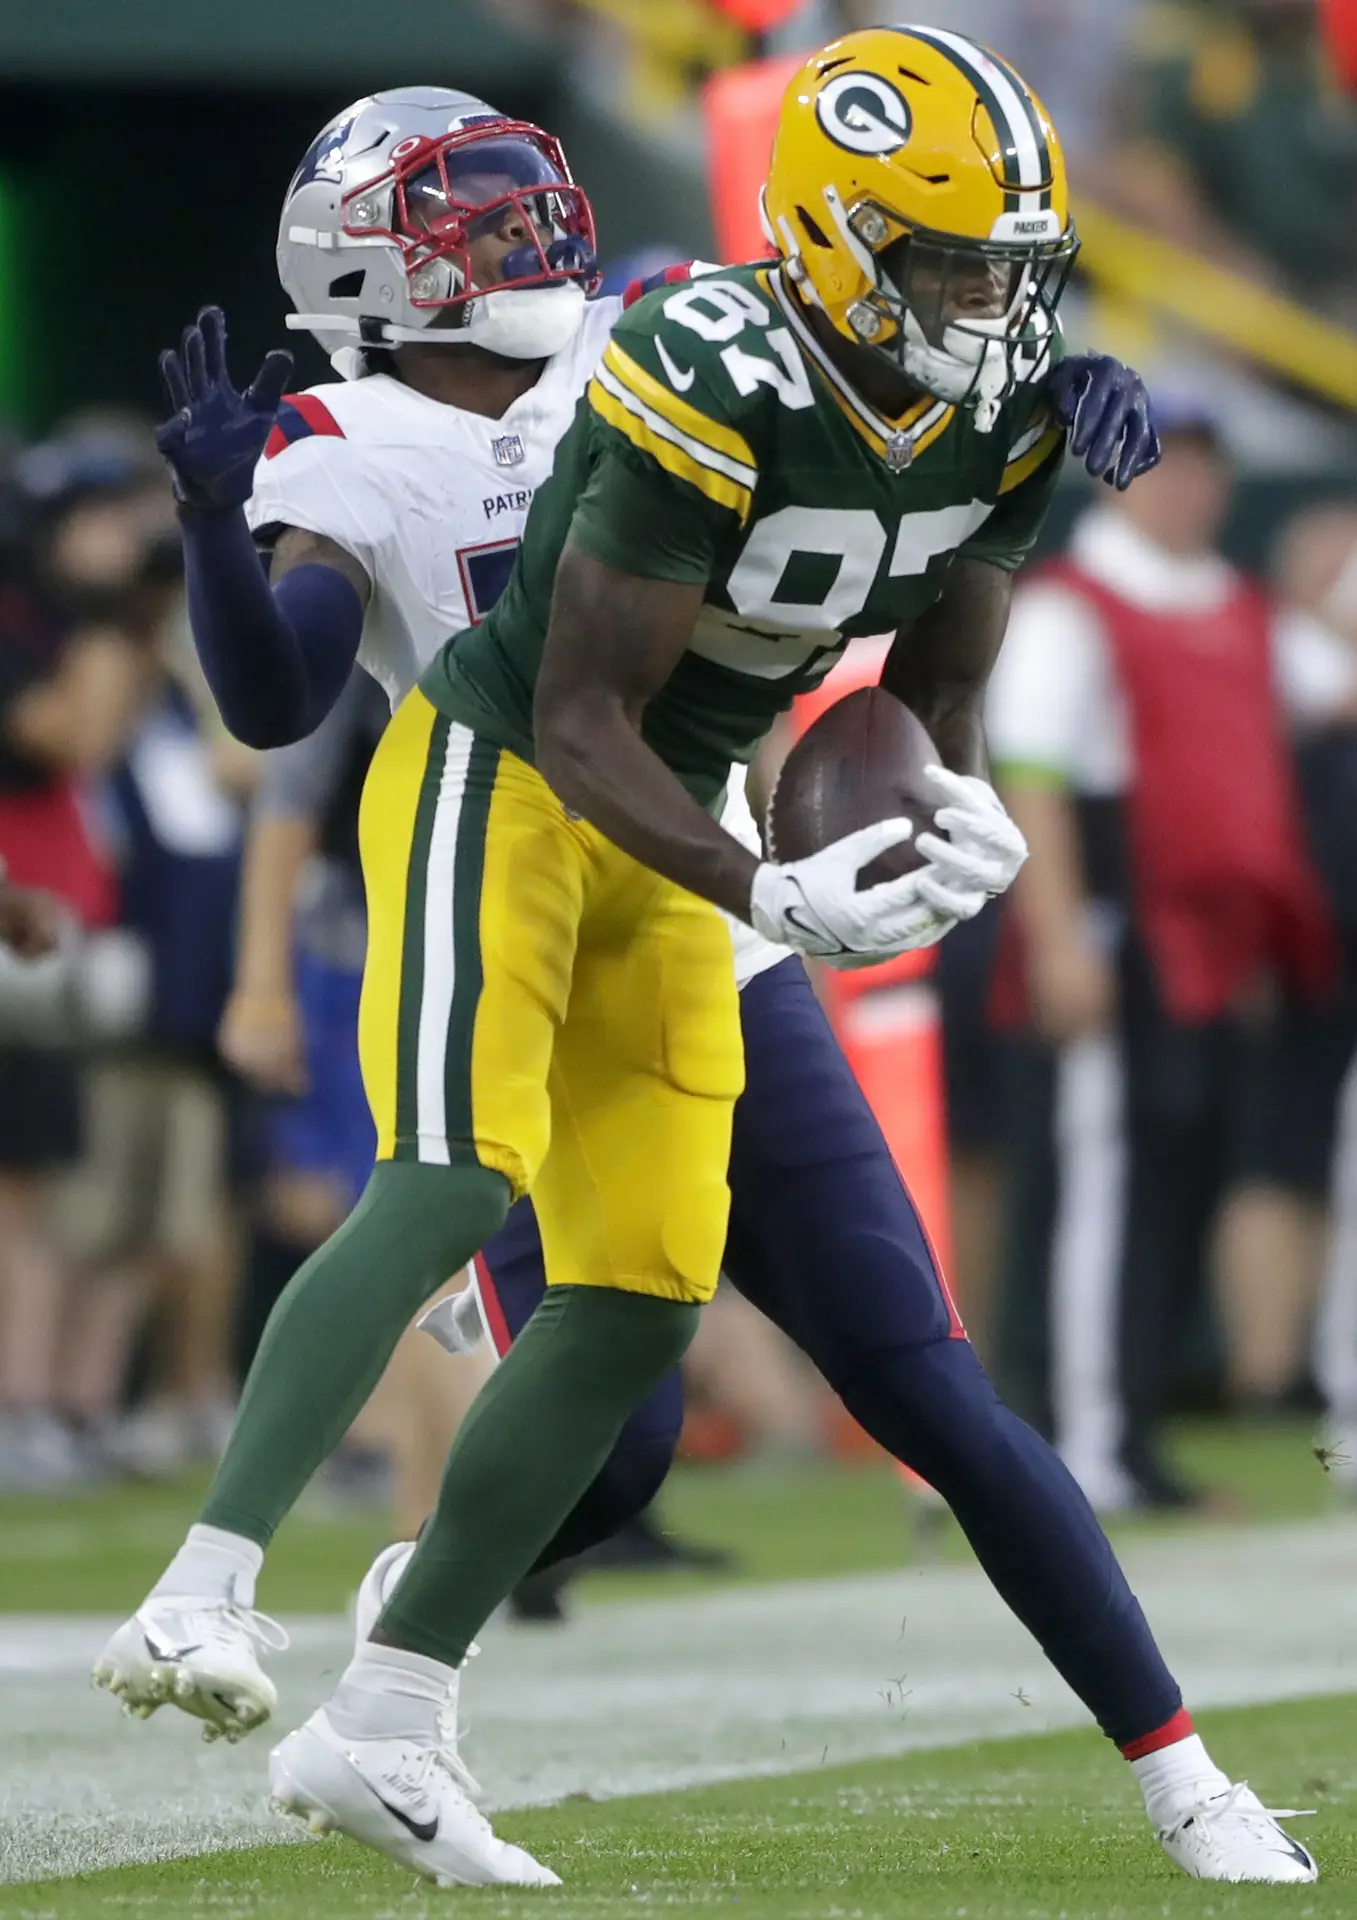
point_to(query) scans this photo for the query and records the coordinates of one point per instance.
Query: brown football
(862, 761)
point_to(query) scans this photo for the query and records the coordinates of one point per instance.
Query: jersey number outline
(485, 571)
(856, 538)
(717, 310)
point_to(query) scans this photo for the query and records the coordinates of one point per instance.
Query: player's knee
(932, 1406)
(429, 1220)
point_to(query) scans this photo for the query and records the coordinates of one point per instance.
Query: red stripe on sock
(1180, 1727)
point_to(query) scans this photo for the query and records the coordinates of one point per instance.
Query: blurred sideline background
(1151, 1201)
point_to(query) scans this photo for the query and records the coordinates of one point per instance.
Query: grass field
(755, 1700)
(1046, 1829)
(100, 1553)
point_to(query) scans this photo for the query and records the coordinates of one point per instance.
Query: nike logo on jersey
(680, 378)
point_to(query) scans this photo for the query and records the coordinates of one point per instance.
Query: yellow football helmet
(917, 194)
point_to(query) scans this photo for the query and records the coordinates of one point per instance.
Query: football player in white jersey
(443, 256)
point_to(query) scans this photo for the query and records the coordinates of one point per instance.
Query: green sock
(536, 1435)
(335, 1327)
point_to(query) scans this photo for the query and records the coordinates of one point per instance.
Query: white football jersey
(431, 502)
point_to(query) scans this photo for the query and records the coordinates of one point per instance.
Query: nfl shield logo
(508, 452)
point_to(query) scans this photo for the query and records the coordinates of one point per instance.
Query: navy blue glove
(213, 440)
(1108, 409)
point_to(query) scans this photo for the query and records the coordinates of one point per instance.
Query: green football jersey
(717, 443)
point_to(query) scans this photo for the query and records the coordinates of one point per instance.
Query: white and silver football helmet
(373, 243)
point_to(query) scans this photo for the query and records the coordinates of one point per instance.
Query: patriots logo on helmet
(324, 158)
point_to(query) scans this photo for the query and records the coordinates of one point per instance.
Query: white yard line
(646, 1696)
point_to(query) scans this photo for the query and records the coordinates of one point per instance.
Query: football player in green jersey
(853, 439)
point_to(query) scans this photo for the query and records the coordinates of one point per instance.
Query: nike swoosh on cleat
(680, 378)
(1294, 1851)
(426, 1830)
(157, 1652)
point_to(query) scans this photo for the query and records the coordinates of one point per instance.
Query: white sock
(215, 1565)
(386, 1693)
(379, 1669)
(1177, 1777)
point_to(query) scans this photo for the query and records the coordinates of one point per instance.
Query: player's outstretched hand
(1107, 407)
(816, 906)
(213, 440)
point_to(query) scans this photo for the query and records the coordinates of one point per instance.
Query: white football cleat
(379, 1583)
(1233, 1836)
(408, 1796)
(196, 1653)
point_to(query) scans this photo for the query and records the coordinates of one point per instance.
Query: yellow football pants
(537, 1002)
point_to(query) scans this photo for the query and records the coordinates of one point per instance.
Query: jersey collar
(924, 423)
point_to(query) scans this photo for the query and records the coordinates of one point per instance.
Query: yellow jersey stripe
(745, 472)
(935, 432)
(645, 432)
(677, 412)
(1026, 464)
(916, 412)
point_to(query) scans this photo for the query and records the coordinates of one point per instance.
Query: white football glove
(984, 848)
(816, 906)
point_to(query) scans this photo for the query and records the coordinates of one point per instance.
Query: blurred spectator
(75, 666)
(1140, 741)
(1317, 573)
(146, 1217)
(1248, 154)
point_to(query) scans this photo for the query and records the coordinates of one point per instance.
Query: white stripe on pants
(440, 968)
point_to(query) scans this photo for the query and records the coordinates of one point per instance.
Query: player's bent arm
(613, 641)
(941, 661)
(276, 654)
